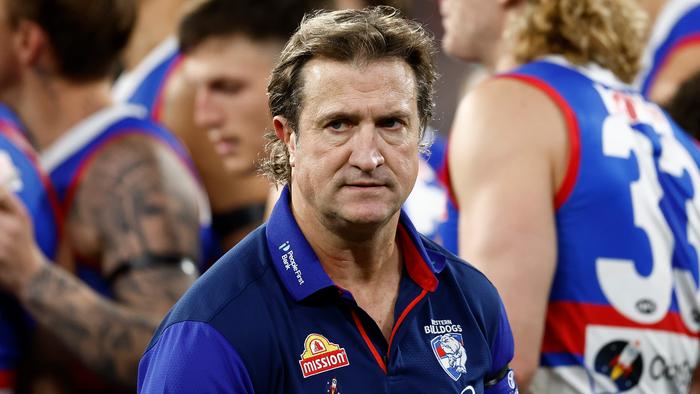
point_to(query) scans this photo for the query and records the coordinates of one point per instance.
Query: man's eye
(391, 123)
(227, 87)
(338, 125)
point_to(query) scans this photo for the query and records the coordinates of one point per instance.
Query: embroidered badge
(332, 386)
(320, 355)
(450, 353)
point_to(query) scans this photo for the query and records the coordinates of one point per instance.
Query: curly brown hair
(610, 33)
(370, 34)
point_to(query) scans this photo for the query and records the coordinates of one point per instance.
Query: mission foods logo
(320, 355)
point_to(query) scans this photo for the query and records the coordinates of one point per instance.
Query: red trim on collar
(416, 266)
(368, 342)
(402, 317)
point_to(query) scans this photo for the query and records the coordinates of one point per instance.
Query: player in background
(20, 174)
(577, 197)
(673, 50)
(155, 79)
(131, 206)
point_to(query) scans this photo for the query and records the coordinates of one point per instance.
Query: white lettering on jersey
(646, 300)
(622, 284)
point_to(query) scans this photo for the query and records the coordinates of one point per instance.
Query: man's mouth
(227, 145)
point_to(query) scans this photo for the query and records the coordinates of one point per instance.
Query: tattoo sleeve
(136, 200)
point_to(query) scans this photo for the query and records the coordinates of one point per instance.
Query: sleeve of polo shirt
(192, 357)
(501, 379)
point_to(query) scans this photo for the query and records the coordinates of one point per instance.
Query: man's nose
(206, 112)
(366, 153)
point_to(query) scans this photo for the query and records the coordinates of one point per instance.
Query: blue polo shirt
(267, 318)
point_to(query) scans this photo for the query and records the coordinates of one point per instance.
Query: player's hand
(20, 257)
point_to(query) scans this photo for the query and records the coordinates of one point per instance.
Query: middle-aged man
(337, 291)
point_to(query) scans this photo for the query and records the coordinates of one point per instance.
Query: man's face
(231, 76)
(355, 156)
(471, 26)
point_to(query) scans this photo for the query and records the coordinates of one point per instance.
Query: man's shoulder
(471, 282)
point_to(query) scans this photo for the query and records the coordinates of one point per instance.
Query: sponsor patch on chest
(320, 355)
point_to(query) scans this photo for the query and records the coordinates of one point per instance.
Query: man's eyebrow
(343, 114)
(336, 114)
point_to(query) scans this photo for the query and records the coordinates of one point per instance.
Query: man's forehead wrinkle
(335, 84)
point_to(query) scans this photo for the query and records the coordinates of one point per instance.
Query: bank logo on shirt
(320, 355)
(450, 353)
(289, 262)
(285, 246)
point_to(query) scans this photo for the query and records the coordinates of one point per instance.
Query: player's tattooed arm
(137, 208)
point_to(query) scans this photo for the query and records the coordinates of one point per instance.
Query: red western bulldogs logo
(450, 353)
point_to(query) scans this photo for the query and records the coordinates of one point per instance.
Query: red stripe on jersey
(573, 131)
(157, 113)
(566, 322)
(445, 178)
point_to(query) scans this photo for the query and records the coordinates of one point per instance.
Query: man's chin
(368, 216)
(238, 166)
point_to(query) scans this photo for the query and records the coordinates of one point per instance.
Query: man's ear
(287, 135)
(31, 44)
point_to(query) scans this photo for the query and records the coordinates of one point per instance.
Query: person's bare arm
(135, 204)
(682, 64)
(504, 153)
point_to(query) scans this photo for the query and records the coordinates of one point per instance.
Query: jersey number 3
(646, 299)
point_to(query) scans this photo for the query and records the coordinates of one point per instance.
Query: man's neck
(366, 262)
(653, 8)
(50, 107)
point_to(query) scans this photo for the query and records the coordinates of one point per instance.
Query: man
(129, 201)
(673, 50)
(231, 106)
(577, 197)
(229, 49)
(338, 291)
(20, 174)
